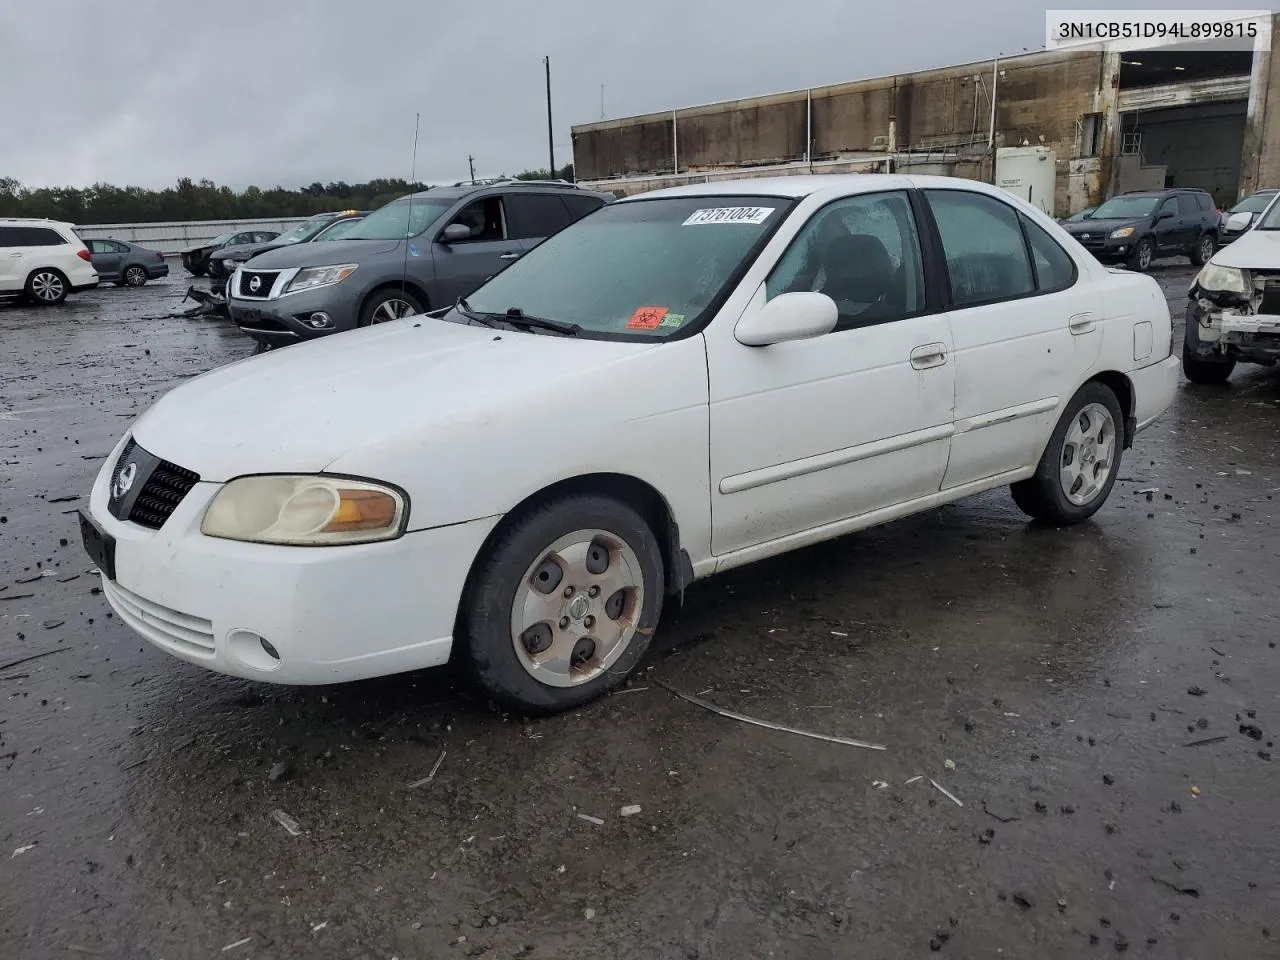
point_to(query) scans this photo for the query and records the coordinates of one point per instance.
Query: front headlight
(1223, 280)
(309, 278)
(305, 511)
(1122, 233)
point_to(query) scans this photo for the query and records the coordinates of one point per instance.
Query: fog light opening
(271, 651)
(318, 320)
(253, 650)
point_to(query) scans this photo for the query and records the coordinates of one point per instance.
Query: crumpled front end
(1242, 323)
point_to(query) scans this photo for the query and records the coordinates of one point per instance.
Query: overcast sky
(292, 91)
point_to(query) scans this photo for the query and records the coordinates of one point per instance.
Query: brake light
(83, 254)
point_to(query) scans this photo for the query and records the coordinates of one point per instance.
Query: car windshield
(644, 268)
(302, 232)
(1081, 215)
(1255, 204)
(220, 239)
(1125, 208)
(338, 231)
(400, 219)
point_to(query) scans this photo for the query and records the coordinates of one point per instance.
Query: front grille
(164, 627)
(161, 494)
(265, 280)
(1095, 241)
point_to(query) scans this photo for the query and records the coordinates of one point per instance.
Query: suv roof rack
(491, 181)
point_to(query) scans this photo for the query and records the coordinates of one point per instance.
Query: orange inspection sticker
(647, 318)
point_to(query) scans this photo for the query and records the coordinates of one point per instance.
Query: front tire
(1143, 254)
(1079, 466)
(1205, 248)
(47, 287)
(562, 606)
(1202, 370)
(388, 305)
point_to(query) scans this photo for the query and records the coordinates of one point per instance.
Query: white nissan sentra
(678, 384)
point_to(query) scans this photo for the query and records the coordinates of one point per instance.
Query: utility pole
(602, 101)
(551, 145)
(471, 161)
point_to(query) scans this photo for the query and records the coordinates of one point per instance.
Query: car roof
(803, 185)
(37, 221)
(505, 186)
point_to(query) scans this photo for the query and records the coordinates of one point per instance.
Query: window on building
(1090, 144)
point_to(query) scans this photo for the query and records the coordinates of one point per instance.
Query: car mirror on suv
(455, 232)
(790, 316)
(1239, 221)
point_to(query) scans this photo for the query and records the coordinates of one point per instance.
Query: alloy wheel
(1088, 451)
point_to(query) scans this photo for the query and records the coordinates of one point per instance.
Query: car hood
(1254, 250)
(245, 250)
(1099, 226)
(302, 407)
(198, 248)
(321, 254)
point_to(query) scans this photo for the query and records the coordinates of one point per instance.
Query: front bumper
(1233, 331)
(332, 614)
(282, 321)
(1109, 251)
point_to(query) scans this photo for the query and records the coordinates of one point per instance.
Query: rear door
(1025, 330)
(462, 265)
(535, 216)
(106, 256)
(12, 254)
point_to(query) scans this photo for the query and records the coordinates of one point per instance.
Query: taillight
(83, 254)
(159, 255)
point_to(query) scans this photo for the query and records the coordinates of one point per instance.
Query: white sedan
(681, 383)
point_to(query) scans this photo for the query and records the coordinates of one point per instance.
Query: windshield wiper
(484, 319)
(517, 318)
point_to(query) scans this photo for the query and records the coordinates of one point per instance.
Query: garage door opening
(1191, 146)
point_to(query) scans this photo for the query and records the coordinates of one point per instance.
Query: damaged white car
(1234, 310)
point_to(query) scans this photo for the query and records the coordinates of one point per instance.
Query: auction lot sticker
(753, 215)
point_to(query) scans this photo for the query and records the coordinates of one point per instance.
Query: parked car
(417, 253)
(1233, 309)
(43, 260)
(126, 264)
(196, 259)
(1078, 215)
(683, 382)
(325, 226)
(1138, 227)
(1242, 216)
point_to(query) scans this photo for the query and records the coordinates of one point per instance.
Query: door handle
(1082, 323)
(509, 256)
(929, 355)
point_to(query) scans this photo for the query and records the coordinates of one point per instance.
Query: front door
(462, 265)
(811, 432)
(1026, 331)
(1168, 228)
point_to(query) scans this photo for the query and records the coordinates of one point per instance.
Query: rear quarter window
(1206, 202)
(32, 237)
(581, 205)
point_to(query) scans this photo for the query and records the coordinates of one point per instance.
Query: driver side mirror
(790, 316)
(1239, 221)
(455, 232)
(1164, 215)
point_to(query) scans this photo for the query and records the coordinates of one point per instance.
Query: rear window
(582, 205)
(534, 216)
(1206, 201)
(30, 237)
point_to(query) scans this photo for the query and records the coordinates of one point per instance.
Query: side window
(94, 246)
(983, 246)
(116, 247)
(1170, 206)
(864, 253)
(580, 205)
(1055, 270)
(536, 216)
(485, 219)
(1187, 205)
(265, 237)
(1206, 202)
(9, 237)
(41, 237)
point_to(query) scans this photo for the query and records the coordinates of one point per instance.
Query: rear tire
(47, 287)
(135, 276)
(607, 579)
(1205, 248)
(387, 305)
(1143, 254)
(1079, 465)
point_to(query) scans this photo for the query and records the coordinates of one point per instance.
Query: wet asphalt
(1100, 702)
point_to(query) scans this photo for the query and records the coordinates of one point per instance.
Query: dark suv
(1137, 227)
(417, 253)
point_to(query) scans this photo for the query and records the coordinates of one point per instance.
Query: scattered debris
(630, 810)
(907, 783)
(1022, 900)
(1195, 791)
(946, 793)
(1185, 891)
(1251, 730)
(18, 596)
(630, 690)
(1205, 742)
(280, 771)
(997, 816)
(730, 714)
(286, 821)
(34, 656)
(1197, 691)
(53, 624)
(238, 943)
(879, 785)
(19, 851)
(430, 776)
(590, 819)
(588, 914)
(319, 926)
(949, 764)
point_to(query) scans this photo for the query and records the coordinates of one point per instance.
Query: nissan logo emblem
(1084, 236)
(255, 284)
(124, 482)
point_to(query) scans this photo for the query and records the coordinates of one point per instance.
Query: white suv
(44, 260)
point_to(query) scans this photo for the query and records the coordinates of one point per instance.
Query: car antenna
(413, 176)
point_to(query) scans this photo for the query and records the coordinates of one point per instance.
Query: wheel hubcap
(46, 286)
(1206, 248)
(577, 608)
(1088, 452)
(135, 277)
(391, 310)
(1144, 256)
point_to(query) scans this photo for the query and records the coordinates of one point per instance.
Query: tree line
(204, 200)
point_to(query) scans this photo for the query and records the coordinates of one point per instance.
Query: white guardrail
(172, 237)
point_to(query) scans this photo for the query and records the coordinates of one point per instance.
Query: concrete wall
(1260, 160)
(172, 237)
(1039, 98)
